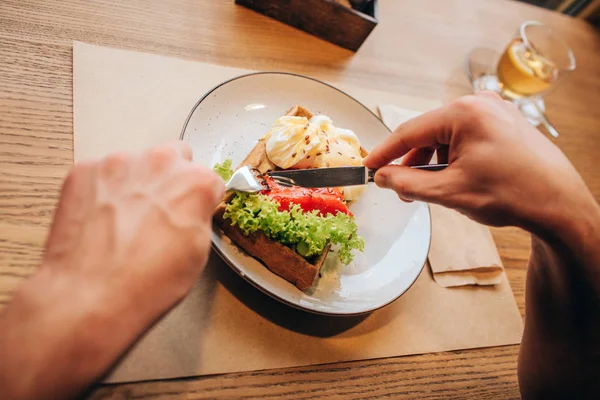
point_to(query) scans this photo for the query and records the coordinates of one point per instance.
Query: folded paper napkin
(462, 251)
(393, 116)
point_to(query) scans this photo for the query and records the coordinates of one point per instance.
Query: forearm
(560, 351)
(60, 334)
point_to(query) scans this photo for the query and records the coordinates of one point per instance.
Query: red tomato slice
(324, 200)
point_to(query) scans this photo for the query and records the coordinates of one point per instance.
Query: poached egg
(296, 142)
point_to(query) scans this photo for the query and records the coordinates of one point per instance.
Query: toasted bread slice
(279, 258)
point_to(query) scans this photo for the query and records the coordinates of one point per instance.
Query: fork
(251, 180)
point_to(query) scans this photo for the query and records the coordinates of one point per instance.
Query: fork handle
(425, 167)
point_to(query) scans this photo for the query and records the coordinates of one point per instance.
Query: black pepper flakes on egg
(294, 155)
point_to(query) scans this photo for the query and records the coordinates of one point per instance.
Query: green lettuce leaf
(306, 232)
(224, 170)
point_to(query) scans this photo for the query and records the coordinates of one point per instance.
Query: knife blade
(334, 177)
(324, 177)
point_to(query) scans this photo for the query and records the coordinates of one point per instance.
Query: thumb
(413, 184)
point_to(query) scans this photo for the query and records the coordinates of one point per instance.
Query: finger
(489, 94)
(427, 130)
(113, 173)
(78, 193)
(413, 184)
(162, 159)
(182, 149)
(194, 191)
(77, 197)
(212, 184)
(418, 156)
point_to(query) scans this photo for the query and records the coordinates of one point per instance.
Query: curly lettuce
(306, 232)
(224, 170)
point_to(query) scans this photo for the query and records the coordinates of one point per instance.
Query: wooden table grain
(418, 48)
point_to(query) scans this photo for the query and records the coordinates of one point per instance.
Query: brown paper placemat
(128, 101)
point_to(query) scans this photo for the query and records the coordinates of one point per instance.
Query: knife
(334, 177)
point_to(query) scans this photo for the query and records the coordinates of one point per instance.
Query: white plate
(227, 122)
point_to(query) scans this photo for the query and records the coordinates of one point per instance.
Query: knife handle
(426, 167)
(430, 167)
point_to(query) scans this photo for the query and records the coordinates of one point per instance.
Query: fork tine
(284, 181)
(245, 180)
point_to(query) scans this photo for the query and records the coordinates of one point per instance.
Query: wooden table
(418, 49)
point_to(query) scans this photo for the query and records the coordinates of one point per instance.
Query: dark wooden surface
(418, 49)
(325, 19)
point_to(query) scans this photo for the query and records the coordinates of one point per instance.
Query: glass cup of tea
(534, 62)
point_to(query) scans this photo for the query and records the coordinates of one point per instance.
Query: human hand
(502, 170)
(136, 226)
(129, 239)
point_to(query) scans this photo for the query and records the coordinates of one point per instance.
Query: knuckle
(186, 151)
(161, 157)
(70, 178)
(79, 173)
(469, 104)
(474, 108)
(489, 95)
(114, 163)
(84, 166)
(116, 159)
(79, 169)
(161, 152)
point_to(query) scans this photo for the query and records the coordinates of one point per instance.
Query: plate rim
(242, 274)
